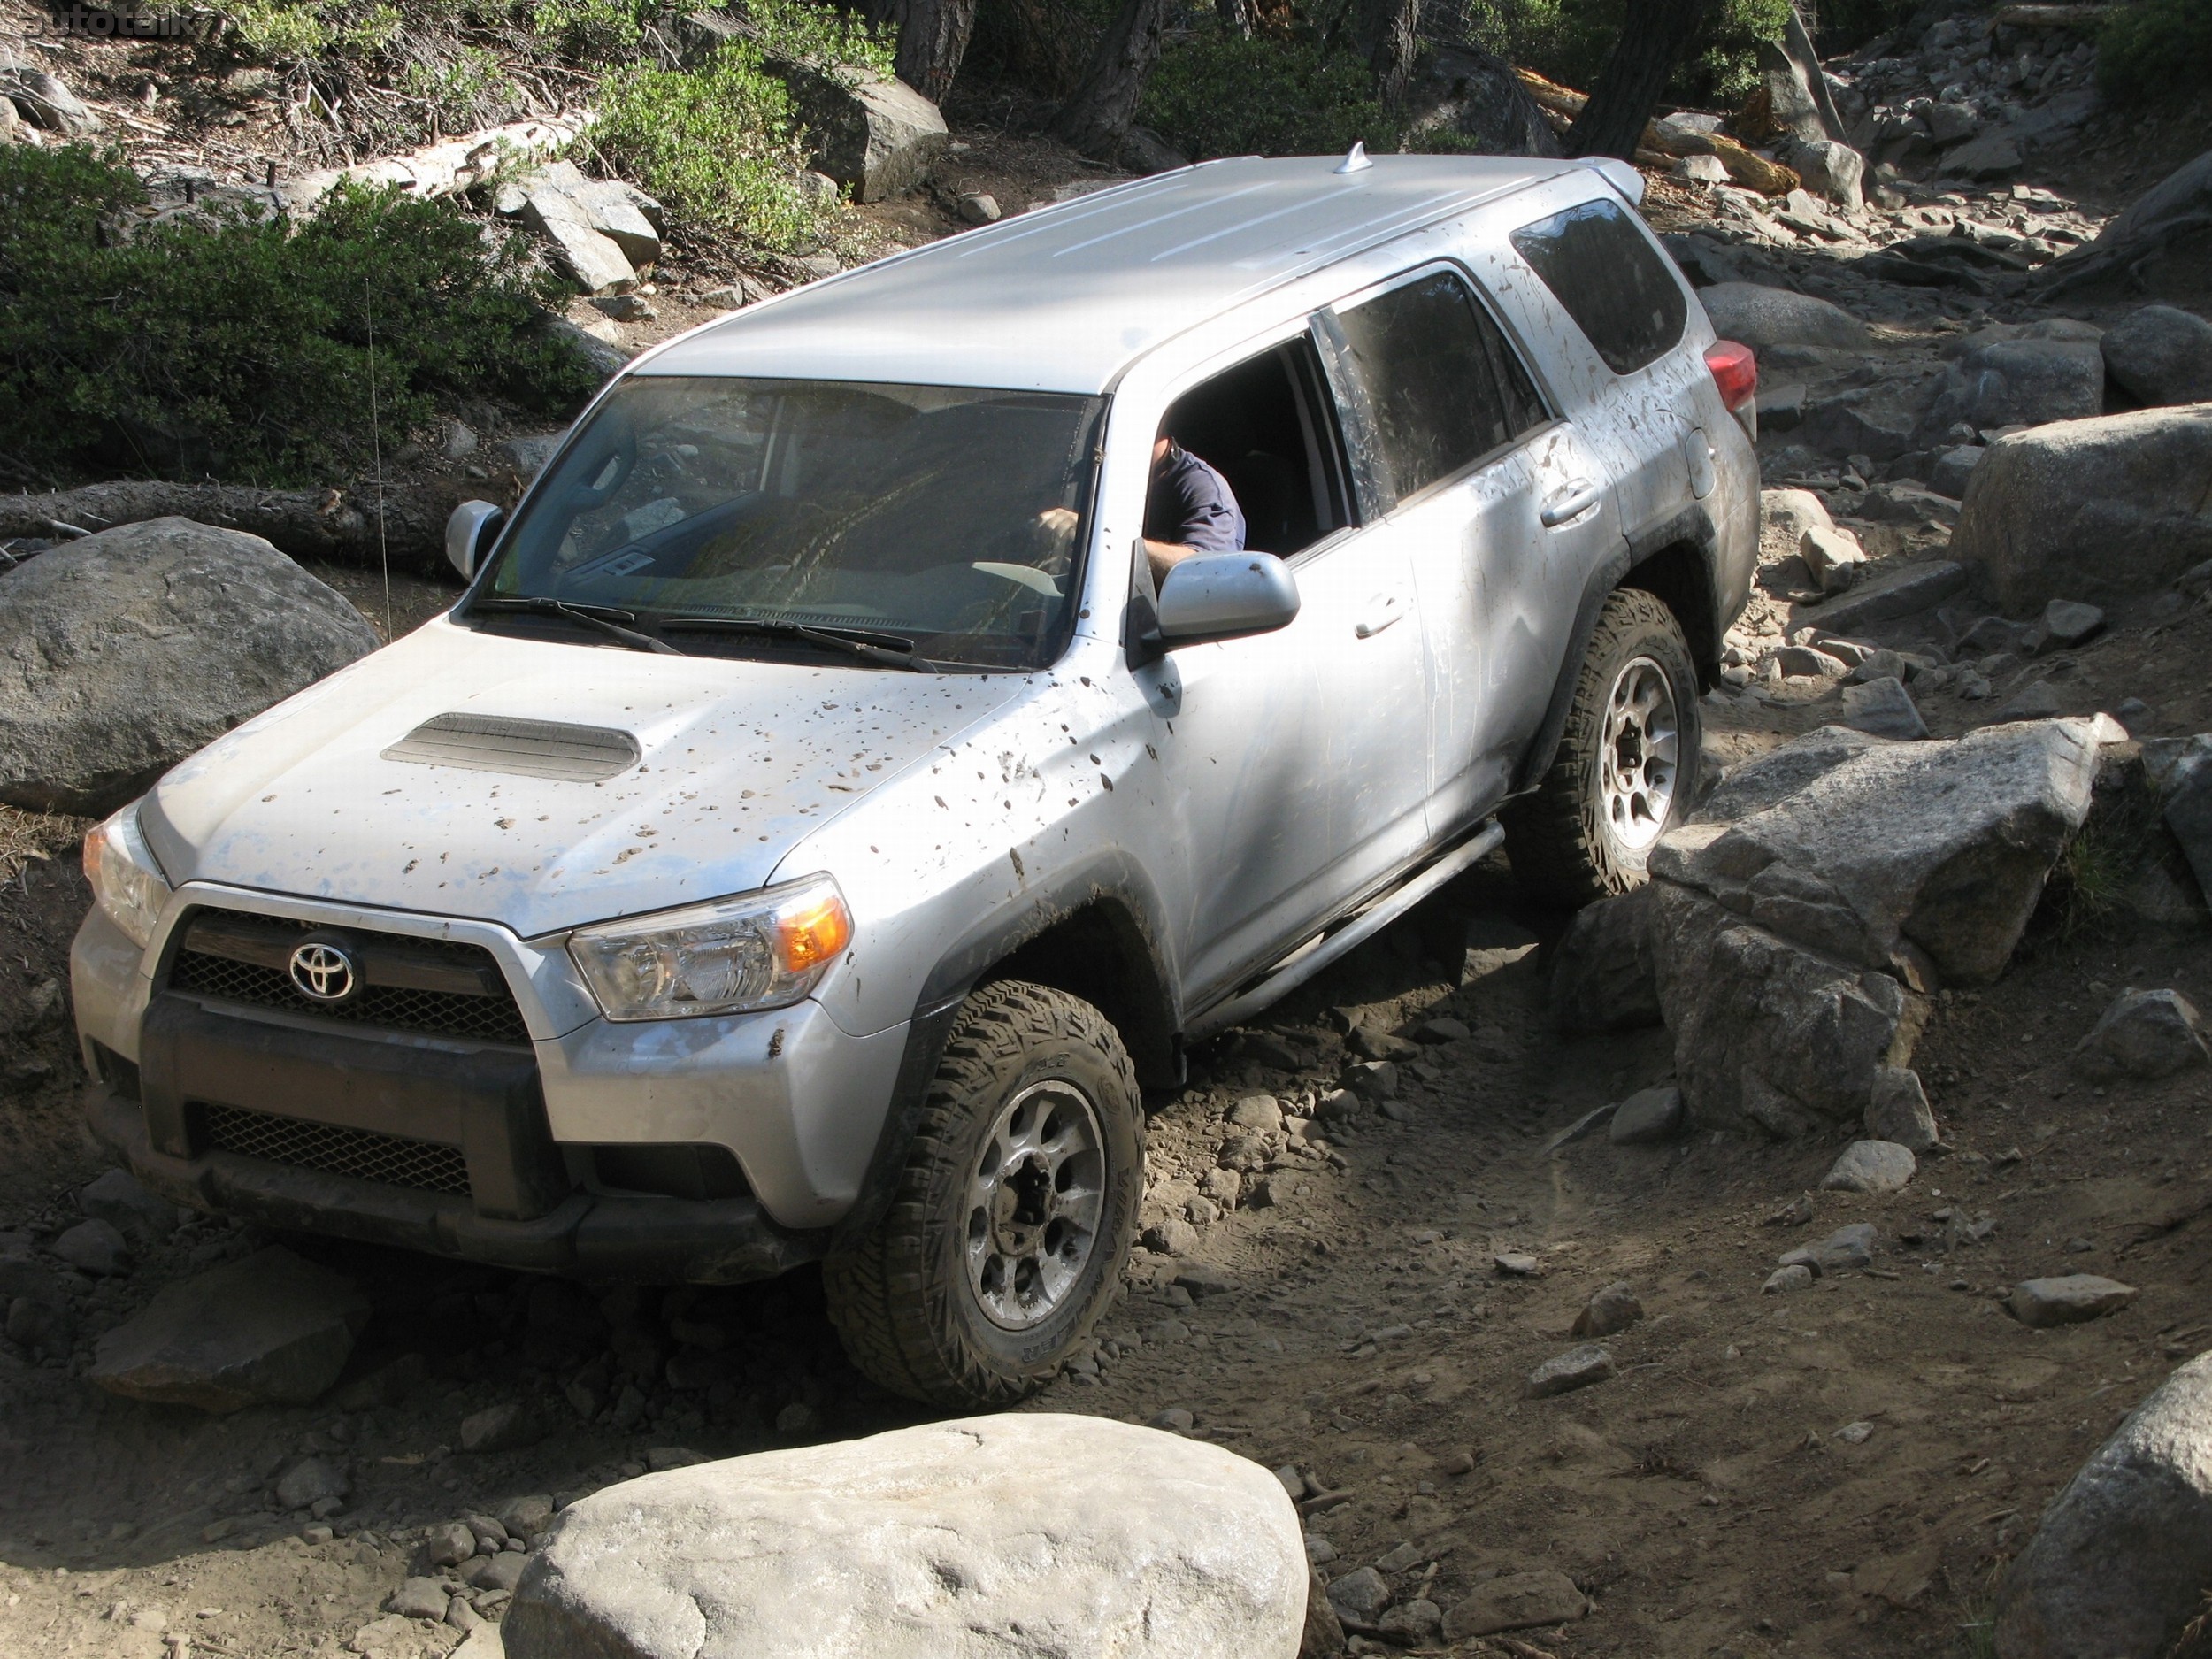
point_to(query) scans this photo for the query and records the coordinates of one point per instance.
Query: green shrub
(1214, 95)
(234, 347)
(820, 34)
(2153, 49)
(278, 30)
(718, 146)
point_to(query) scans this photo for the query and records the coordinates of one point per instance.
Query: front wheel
(1626, 767)
(1013, 1212)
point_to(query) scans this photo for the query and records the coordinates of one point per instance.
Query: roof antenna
(1356, 160)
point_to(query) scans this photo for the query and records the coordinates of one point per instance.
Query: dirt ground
(1839, 1471)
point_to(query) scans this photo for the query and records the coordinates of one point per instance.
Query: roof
(1063, 298)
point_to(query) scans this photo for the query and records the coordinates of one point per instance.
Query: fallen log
(445, 168)
(314, 523)
(1745, 166)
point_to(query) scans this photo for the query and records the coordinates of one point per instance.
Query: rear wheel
(1013, 1212)
(1626, 768)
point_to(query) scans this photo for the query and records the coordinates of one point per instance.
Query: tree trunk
(1654, 38)
(933, 40)
(320, 524)
(1051, 44)
(1389, 38)
(1236, 17)
(1096, 117)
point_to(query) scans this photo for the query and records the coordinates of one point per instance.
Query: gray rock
(1782, 1281)
(1803, 662)
(124, 652)
(1950, 122)
(2073, 1299)
(1769, 1036)
(119, 1200)
(2109, 506)
(1992, 156)
(980, 207)
(1516, 1264)
(1359, 1597)
(526, 1516)
(1759, 316)
(269, 1330)
(1872, 1166)
(1939, 848)
(625, 308)
(95, 1248)
(1884, 708)
(1647, 1116)
(2038, 701)
(1372, 1081)
(1262, 1113)
(446, 1546)
(39, 1325)
(2065, 622)
(1953, 468)
(1701, 169)
(1611, 1310)
(2118, 1565)
(1835, 169)
(594, 260)
(2185, 786)
(1833, 556)
(1162, 1547)
(419, 1598)
(2161, 355)
(1879, 421)
(501, 1428)
(528, 454)
(1374, 1043)
(1898, 1111)
(2026, 382)
(1577, 1368)
(1760, 783)
(1901, 593)
(309, 1480)
(1516, 1601)
(603, 357)
(1416, 1623)
(1784, 517)
(1845, 1250)
(45, 100)
(1603, 974)
(2143, 1033)
(501, 1572)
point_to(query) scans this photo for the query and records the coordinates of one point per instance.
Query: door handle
(1382, 611)
(1577, 497)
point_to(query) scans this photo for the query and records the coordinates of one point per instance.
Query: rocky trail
(1551, 1361)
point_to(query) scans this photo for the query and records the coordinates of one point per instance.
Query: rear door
(1496, 508)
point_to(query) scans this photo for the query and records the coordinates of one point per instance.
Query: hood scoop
(528, 749)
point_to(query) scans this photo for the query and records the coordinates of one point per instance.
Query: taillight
(1735, 370)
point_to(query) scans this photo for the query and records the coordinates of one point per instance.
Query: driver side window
(1266, 426)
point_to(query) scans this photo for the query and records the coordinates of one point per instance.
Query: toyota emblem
(323, 972)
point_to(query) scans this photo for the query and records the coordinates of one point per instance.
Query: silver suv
(815, 825)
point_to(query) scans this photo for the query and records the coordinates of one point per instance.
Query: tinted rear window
(1613, 283)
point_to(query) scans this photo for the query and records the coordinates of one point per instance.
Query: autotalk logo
(104, 22)
(323, 972)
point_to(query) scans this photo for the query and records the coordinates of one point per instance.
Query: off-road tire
(899, 1293)
(1563, 848)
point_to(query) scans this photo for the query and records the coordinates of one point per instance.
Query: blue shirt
(1192, 505)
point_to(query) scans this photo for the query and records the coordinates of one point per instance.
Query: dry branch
(1748, 168)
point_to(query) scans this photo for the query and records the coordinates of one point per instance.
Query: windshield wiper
(603, 617)
(862, 643)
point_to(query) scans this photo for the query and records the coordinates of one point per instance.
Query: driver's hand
(1056, 538)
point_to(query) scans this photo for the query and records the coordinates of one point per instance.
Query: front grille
(366, 1156)
(485, 1018)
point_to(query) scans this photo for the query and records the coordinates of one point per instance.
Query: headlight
(124, 878)
(731, 957)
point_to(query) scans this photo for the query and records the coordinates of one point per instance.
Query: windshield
(947, 517)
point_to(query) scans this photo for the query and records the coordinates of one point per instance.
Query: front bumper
(709, 1241)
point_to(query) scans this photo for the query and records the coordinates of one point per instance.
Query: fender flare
(1692, 526)
(1112, 881)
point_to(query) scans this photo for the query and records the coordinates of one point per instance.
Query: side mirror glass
(1223, 596)
(468, 532)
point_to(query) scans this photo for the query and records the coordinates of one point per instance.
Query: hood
(688, 778)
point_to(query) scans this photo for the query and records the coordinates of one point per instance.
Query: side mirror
(1223, 596)
(469, 532)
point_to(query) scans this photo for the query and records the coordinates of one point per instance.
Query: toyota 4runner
(814, 825)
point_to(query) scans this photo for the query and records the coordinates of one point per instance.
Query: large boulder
(2161, 354)
(1767, 1034)
(2022, 382)
(1013, 1536)
(270, 1329)
(2118, 1568)
(122, 653)
(1760, 316)
(2090, 508)
(874, 134)
(1771, 778)
(1905, 857)
(1602, 974)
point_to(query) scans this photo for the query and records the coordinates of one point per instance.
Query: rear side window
(1440, 385)
(1613, 283)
